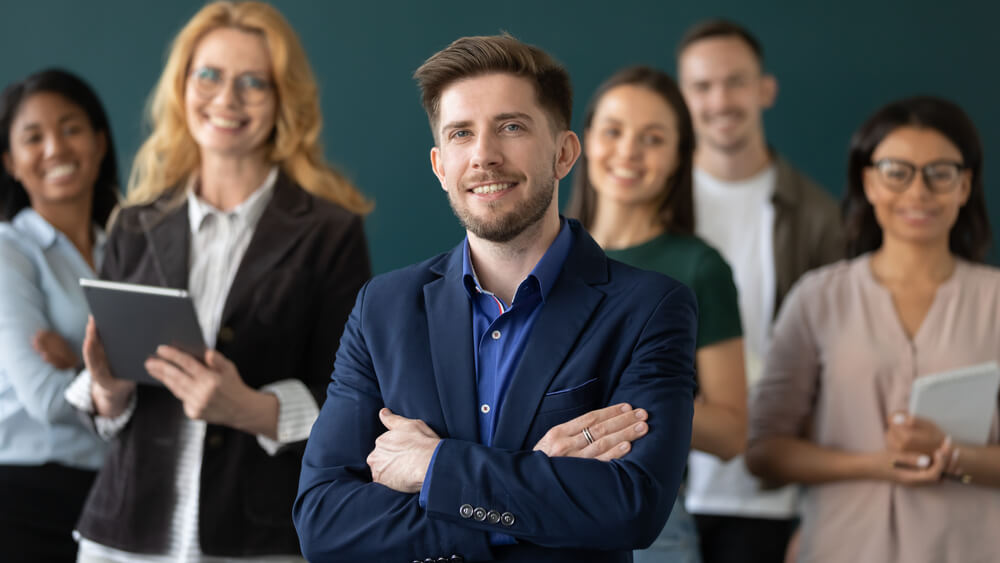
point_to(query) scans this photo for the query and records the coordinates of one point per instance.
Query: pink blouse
(841, 360)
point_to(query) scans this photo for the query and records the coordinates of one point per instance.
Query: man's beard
(727, 146)
(505, 228)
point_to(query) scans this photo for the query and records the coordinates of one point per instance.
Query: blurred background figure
(58, 185)
(771, 224)
(633, 193)
(914, 299)
(230, 197)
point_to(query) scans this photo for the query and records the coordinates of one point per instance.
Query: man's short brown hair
(712, 29)
(468, 57)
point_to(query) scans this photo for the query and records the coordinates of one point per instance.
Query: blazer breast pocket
(584, 395)
(564, 404)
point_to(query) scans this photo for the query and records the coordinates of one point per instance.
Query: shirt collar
(545, 272)
(249, 211)
(29, 222)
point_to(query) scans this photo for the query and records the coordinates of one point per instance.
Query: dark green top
(691, 261)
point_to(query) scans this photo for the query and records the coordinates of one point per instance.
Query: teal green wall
(835, 62)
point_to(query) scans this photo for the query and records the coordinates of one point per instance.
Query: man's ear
(567, 152)
(438, 167)
(768, 90)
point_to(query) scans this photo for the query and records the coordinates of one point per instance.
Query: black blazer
(282, 319)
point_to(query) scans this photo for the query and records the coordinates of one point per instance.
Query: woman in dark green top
(633, 192)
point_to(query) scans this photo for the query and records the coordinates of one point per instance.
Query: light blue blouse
(40, 271)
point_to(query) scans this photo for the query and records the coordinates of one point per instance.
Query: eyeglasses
(940, 176)
(250, 88)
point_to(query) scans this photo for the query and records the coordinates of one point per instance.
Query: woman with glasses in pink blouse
(851, 339)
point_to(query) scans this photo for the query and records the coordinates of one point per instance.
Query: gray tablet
(132, 320)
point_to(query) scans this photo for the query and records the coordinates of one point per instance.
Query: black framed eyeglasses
(940, 176)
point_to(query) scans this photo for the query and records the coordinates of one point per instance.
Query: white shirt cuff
(78, 395)
(297, 411)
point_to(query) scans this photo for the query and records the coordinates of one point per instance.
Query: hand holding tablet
(133, 320)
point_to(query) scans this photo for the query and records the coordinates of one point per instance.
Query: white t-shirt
(737, 218)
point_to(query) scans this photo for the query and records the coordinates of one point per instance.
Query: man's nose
(486, 153)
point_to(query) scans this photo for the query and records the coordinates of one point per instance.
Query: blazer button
(226, 334)
(493, 517)
(465, 511)
(507, 519)
(479, 513)
(214, 440)
(457, 559)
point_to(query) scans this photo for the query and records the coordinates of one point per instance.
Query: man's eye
(460, 134)
(610, 132)
(512, 127)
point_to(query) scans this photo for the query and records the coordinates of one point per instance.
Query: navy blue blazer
(607, 333)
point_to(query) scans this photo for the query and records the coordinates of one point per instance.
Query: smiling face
(727, 92)
(54, 151)
(631, 146)
(916, 214)
(229, 97)
(497, 156)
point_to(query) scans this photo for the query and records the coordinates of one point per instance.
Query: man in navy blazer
(468, 417)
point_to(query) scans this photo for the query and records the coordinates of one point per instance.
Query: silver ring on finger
(588, 435)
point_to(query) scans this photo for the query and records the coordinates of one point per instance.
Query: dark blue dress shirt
(499, 335)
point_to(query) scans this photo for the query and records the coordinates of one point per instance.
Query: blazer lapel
(168, 234)
(449, 322)
(563, 318)
(278, 231)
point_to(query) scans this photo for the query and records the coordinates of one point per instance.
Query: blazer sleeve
(339, 513)
(554, 502)
(349, 269)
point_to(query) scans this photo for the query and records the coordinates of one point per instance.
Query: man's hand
(54, 350)
(403, 454)
(613, 430)
(911, 434)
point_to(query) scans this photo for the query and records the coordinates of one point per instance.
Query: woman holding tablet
(58, 184)
(633, 192)
(852, 337)
(230, 199)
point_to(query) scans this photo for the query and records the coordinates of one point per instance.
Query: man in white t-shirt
(771, 224)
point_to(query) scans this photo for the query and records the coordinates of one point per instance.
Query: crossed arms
(341, 513)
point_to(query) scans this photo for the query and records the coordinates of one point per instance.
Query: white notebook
(961, 401)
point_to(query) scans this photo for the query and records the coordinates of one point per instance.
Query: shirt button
(484, 408)
(496, 335)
